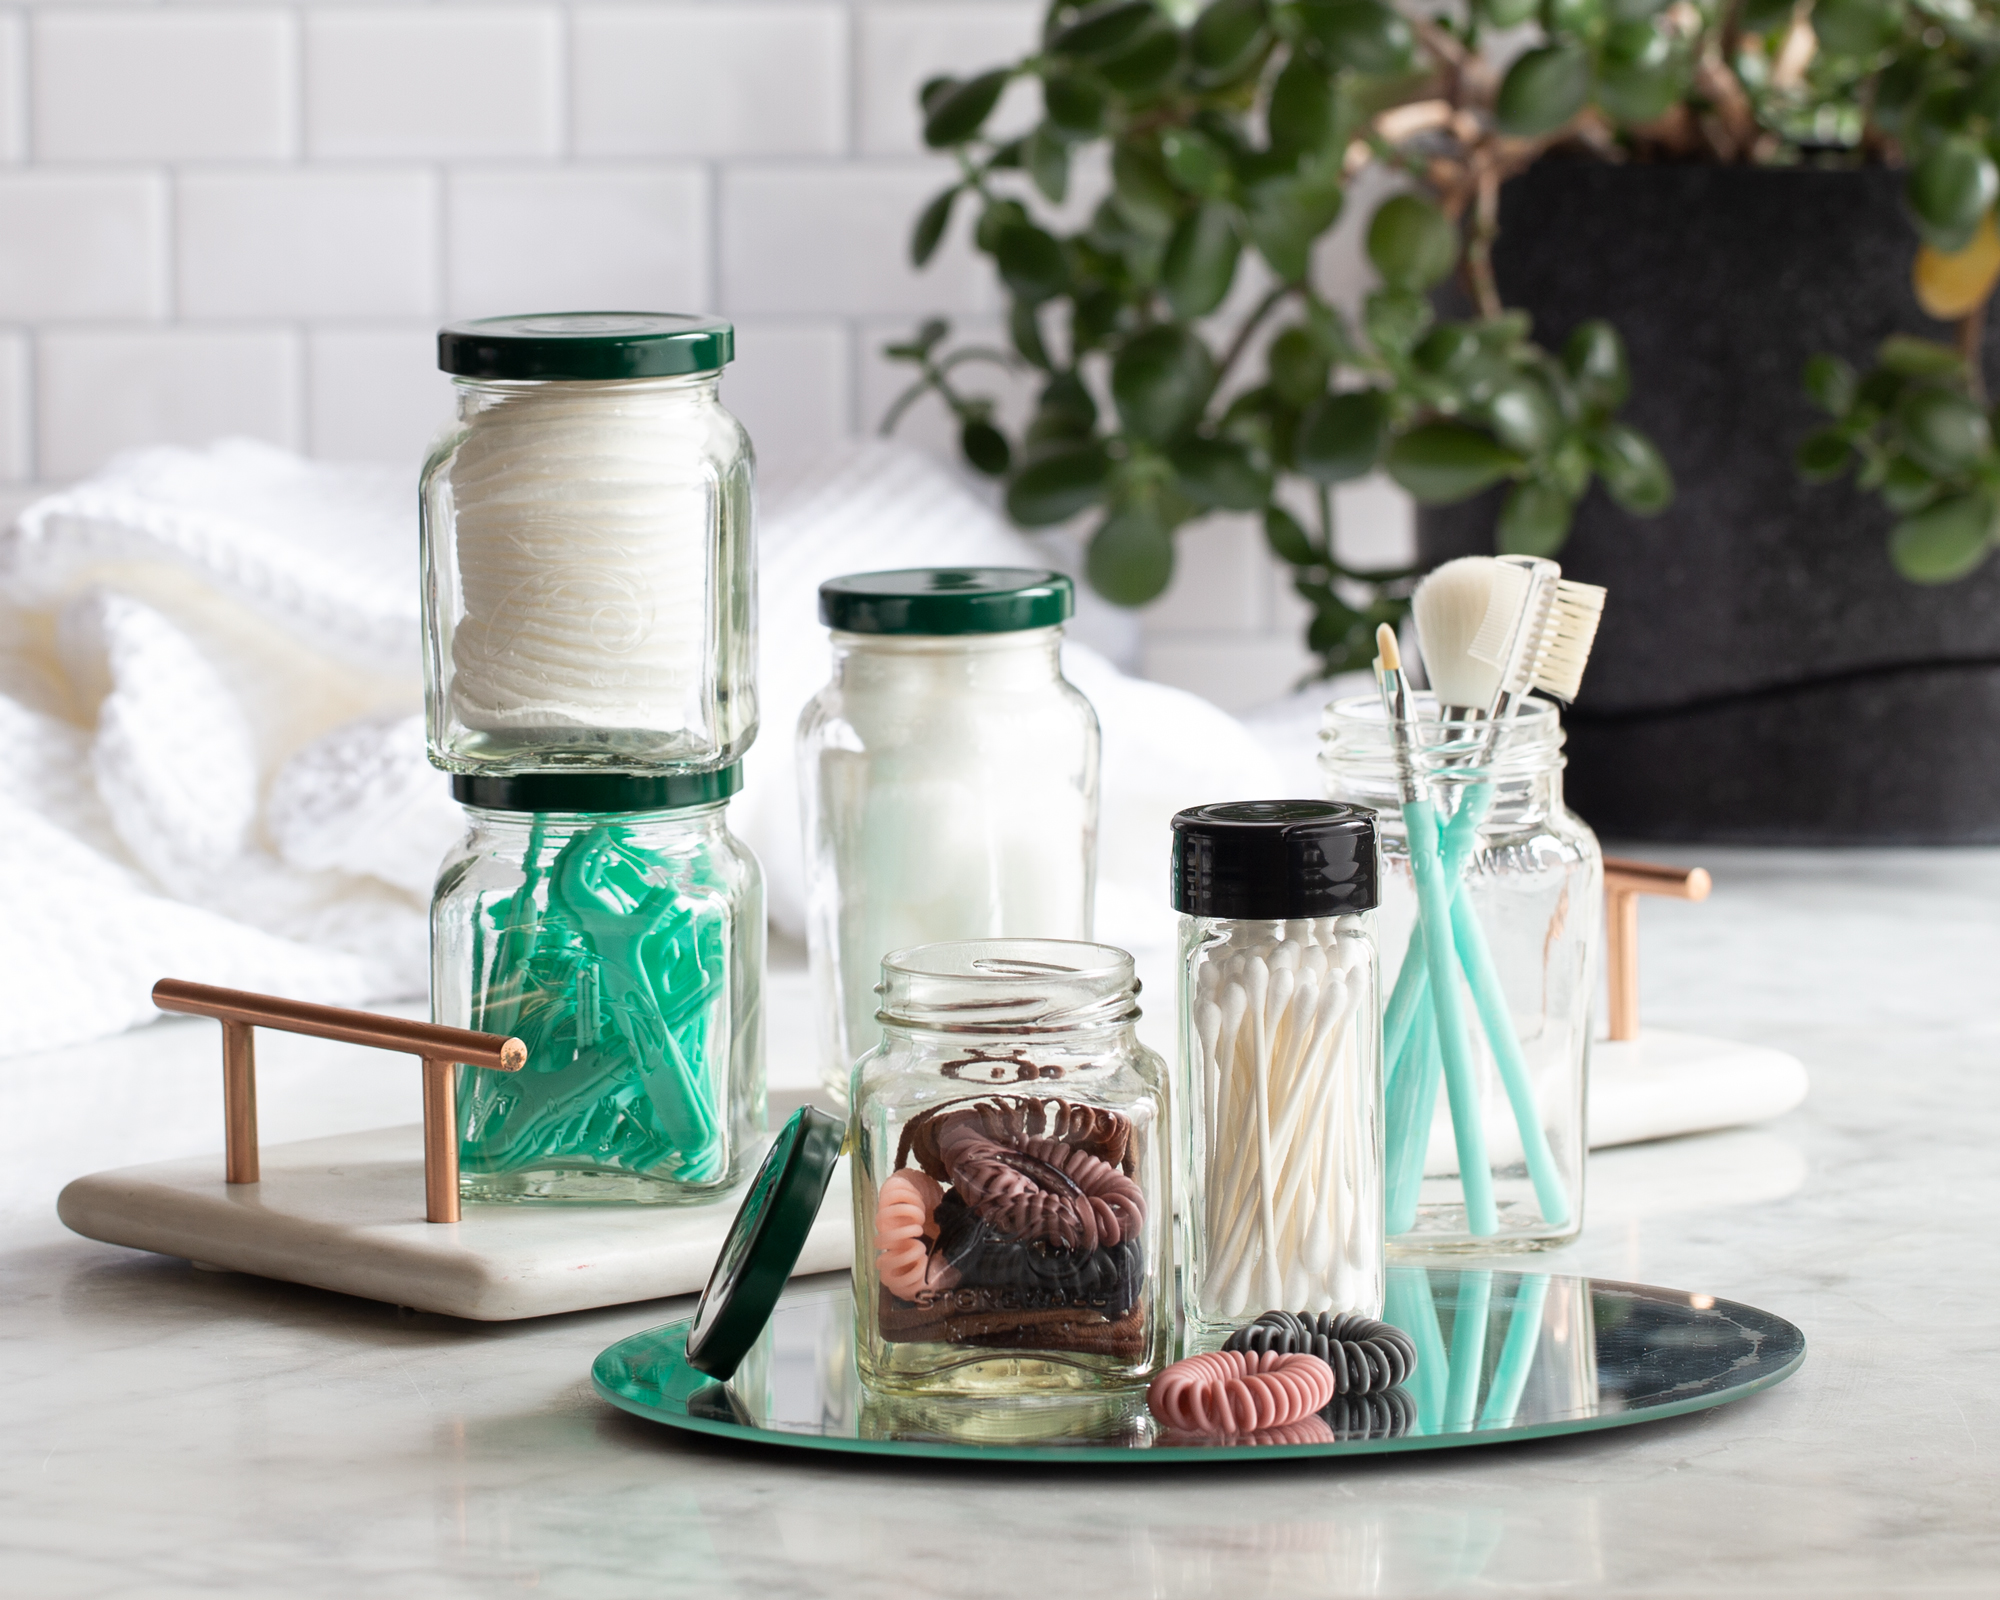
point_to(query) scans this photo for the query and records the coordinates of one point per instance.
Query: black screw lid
(1274, 858)
(587, 791)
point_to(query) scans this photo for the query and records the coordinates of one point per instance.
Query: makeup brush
(1434, 918)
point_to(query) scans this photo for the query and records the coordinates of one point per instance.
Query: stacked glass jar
(590, 643)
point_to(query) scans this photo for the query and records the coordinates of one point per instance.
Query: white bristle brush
(1495, 627)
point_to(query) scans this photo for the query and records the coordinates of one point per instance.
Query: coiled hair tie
(1238, 1391)
(1044, 1190)
(1387, 1414)
(1365, 1355)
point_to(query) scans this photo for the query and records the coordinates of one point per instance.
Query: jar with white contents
(949, 781)
(590, 590)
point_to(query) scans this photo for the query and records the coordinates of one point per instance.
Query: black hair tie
(1389, 1414)
(1366, 1356)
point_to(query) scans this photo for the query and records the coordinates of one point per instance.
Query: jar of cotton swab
(1279, 1099)
(1490, 896)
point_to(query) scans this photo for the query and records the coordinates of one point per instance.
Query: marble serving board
(347, 1213)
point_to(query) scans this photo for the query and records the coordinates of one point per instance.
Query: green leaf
(1025, 329)
(1534, 521)
(1823, 456)
(985, 447)
(1761, 16)
(1197, 163)
(1945, 542)
(1543, 89)
(1944, 433)
(1411, 243)
(1637, 10)
(1055, 487)
(1287, 216)
(931, 223)
(1298, 365)
(1902, 356)
(1572, 16)
(1103, 29)
(959, 112)
(1633, 471)
(1396, 319)
(1074, 103)
(1361, 34)
(1161, 380)
(1225, 37)
(1146, 197)
(1830, 385)
(1594, 358)
(996, 219)
(1287, 539)
(1906, 487)
(1523, 415)
(1064, 410)
(1856, 27)
(1146, 65)
(1131, 556)
(1446, 350)
(1340, 435)
(1031, 262)
(1200, 263)
(1510, 13)
(1640, 74)
(1046, 156)
(1951, 187)
(1441, 462)
(1219, 474)
(1300, 113)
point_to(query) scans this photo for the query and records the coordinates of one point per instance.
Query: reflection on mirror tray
(1502, 1355)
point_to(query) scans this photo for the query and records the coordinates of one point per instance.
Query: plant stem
(1971, 341)
(1479, 248)
(1242, 340)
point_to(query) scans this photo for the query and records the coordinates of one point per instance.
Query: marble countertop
(171, 1432)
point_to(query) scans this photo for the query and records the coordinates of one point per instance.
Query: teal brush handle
(1517, 1355)
(1468, 1350)
(1407, 1304)
(1456, 840)
(1462, 1089)
(1477, 960)
(1412, 1103)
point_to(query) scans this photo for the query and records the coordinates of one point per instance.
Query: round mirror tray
(1501, 1356)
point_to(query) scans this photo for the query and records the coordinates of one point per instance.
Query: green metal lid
(764, 1241)
(595, 791)
(587, 344)
(947, 600)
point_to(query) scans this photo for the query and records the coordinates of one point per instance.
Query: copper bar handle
(1624, 882)
(440, 1049)
(239, 1101)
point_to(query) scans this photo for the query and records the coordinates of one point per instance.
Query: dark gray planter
(1763, 675)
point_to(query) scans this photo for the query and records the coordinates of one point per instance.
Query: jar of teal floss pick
(614, 925)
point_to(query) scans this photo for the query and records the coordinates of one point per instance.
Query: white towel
(213, 760)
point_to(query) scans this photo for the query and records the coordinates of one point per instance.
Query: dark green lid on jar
(586, 345)
(947, 600)
(595, 791)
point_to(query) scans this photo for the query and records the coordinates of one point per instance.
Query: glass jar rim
(1354, 732)
(1008, 986)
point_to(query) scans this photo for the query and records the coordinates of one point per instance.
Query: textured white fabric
(213, 762)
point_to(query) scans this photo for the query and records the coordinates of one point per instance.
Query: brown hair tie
(1016, 1120)
(1043, 1190)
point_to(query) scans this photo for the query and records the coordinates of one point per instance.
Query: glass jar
(589, 576)
(1010, 1181)
(615, 927)
(948, 777)
(1527, 876)
(1278, 1103)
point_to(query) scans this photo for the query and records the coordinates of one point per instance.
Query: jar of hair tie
(1010, 1188)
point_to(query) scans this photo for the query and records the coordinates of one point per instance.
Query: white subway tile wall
(249, 217)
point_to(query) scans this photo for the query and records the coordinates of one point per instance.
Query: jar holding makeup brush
(1278, 1104)
(1496, 1159)
(1011, 1208)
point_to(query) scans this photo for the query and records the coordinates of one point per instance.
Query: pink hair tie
(1240, 1391)
(906, 1231)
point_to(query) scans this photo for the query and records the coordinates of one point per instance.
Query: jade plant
(1186, 361)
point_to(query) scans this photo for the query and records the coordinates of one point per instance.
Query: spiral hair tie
(1307, 1430)
(1045, 1190)
(1387, 1414)
(1015, 1120)
(1107, 1280)
(1365, 1355)
(1240, 1391)
(906, 1231)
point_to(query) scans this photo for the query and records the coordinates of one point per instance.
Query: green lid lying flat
(595, 791)
(764, 1241)
(947, 600)
(586, 345)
